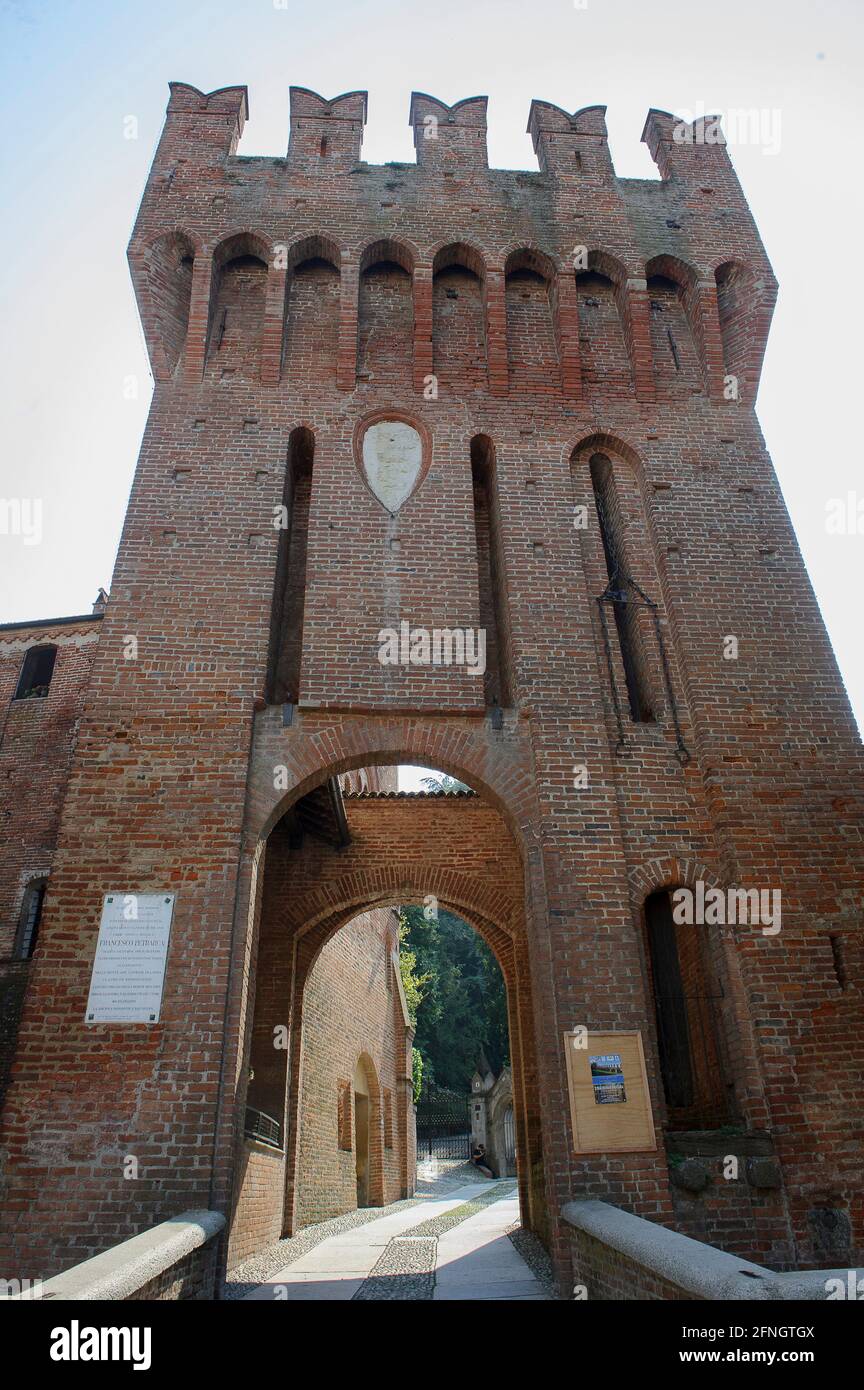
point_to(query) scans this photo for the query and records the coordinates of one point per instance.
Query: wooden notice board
(610, 1108)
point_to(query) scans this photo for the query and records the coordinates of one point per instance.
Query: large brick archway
(496, 764)
(455, 850)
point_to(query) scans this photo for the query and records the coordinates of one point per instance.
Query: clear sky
(73, 72)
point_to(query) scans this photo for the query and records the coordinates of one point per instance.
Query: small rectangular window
(35, 679)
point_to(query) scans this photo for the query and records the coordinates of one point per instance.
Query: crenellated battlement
(570, 146)
(203, 128)
(205, 208)
(449, 137)
(324, 132)
(323, 129)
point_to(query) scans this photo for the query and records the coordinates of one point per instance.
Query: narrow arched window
(493, 615)
(670, 1004)
(622, 596)
(289, 590)
(30, 919)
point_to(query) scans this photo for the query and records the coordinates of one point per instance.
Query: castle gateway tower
(458, 467)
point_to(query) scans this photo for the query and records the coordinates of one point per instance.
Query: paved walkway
(449, 1246)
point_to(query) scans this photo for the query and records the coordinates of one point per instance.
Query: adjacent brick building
(44, 671)
(564, 365)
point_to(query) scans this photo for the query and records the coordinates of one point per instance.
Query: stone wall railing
(175, 1260)
(618, 1256)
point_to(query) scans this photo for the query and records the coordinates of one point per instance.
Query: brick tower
(442, 398)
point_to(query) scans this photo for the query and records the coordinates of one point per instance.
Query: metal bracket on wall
(616, 595)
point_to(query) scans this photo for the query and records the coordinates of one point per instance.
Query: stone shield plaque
(392, 456)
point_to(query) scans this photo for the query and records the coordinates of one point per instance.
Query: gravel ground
(405, 1271)
(437, 1225)
(535, 1255)
(247, 1276)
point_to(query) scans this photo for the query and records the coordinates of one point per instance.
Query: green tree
(417, 1072)
(412, 983)
(462, 1005)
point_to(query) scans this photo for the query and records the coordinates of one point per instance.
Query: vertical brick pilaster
(635, 308)
(199, 319)
(423, 359)
(273, 328)
(496, 333)
(346, 368)
(566, 324)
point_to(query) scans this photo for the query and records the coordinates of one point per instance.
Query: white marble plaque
(129, 965)
(392, 460)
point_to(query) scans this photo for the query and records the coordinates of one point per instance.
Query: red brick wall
(736, 1217)
(349, 1009)
(37, 739)
(257, 1220)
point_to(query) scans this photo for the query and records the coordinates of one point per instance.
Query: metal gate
(443, 1125)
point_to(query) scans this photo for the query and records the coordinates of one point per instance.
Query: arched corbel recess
(560, 290)
(745, 306)
(387, 356)
(631, 297)
(699, 299)
(470, 259)
(162, 273)
(299, 257)
(207, 280)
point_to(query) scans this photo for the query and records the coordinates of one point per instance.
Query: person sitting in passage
(478, 1158)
